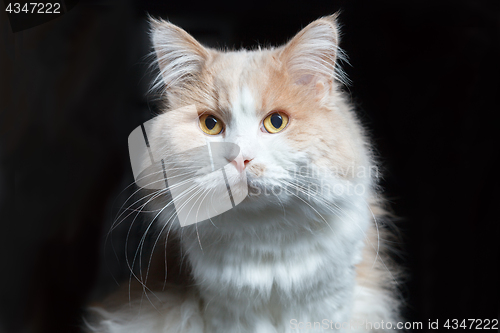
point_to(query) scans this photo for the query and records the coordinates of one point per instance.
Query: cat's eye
(210, 124)
(275, 122)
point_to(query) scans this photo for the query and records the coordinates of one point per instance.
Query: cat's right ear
(179, 56)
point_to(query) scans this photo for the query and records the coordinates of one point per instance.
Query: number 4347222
(34, 7)
(477, 324)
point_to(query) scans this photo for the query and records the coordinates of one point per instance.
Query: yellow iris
(210, 124)
(275, 122)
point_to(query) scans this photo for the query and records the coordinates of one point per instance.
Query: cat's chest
(294, 270)
(265, 289)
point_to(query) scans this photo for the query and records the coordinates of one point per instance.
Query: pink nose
(240, 164)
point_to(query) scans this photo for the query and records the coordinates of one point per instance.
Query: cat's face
(281, 106)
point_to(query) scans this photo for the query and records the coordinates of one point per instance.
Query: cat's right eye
(211, 125)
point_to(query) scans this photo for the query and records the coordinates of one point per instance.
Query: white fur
(274, 258)
(310, 278)
(261, 265)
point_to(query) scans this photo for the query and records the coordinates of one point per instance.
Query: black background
(425, 81)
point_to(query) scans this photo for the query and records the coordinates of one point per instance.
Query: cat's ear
(310, 57)
(180, 57)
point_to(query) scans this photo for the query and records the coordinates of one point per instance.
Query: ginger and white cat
(302, 253)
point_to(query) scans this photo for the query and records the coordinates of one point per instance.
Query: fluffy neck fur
(258, 282)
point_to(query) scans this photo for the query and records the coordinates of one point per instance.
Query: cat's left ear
(311, 55)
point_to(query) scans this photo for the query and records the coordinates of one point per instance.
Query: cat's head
(282, 106)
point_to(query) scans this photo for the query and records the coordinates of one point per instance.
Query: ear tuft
(179, 56)
(311, 56)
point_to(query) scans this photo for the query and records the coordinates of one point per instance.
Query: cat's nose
(241, 163)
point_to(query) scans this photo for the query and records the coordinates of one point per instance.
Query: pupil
(276, 120)
(210, 122)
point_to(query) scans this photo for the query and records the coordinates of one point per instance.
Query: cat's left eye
(211, 124)
(275, 122)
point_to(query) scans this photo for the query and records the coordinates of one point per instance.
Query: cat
(304, 251)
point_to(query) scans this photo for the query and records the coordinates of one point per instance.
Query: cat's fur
(276, 260)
